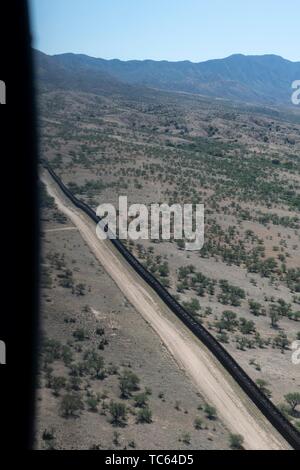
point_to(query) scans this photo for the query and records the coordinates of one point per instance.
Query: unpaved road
(234, 407)
(60, 229)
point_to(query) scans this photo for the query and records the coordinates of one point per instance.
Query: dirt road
(60, 229)
(234, 408)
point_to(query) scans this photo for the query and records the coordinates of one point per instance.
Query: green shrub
(236, 441)
(129, 382)
(144, 415)
(118, 413)
(210, 411)
(71, 404)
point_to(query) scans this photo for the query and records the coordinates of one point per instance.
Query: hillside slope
(254, 79)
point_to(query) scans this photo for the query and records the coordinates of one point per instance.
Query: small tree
(71, 404)
(283, 308)
(229, 319)
(255, 308)
(192, 307)
(246, 326)
(220, 325)
(94, 364)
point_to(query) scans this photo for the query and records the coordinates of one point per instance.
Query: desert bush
(198, 423)
(281, 341)
(94, 364)
(57, 383)
(236, 441)
(140, 400)
(118, 413)
(144, 415)
(210, 411)
(80, 334)
(92, 403)
(263, 386)
(186, 438)
(293, 399)
(129, 382)
(71, 404)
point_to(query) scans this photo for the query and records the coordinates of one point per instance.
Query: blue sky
(167, 29)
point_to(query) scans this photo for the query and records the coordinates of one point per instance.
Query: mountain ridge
(265, 79)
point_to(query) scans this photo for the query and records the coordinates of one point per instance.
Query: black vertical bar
(19, 230)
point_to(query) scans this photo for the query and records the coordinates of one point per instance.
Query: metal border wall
(270, 411)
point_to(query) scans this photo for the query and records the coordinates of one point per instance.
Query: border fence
(269, 410)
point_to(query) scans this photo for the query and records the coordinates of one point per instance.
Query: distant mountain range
(263, 79)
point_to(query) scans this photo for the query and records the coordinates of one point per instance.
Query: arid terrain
(100, 319)
(241, 162)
